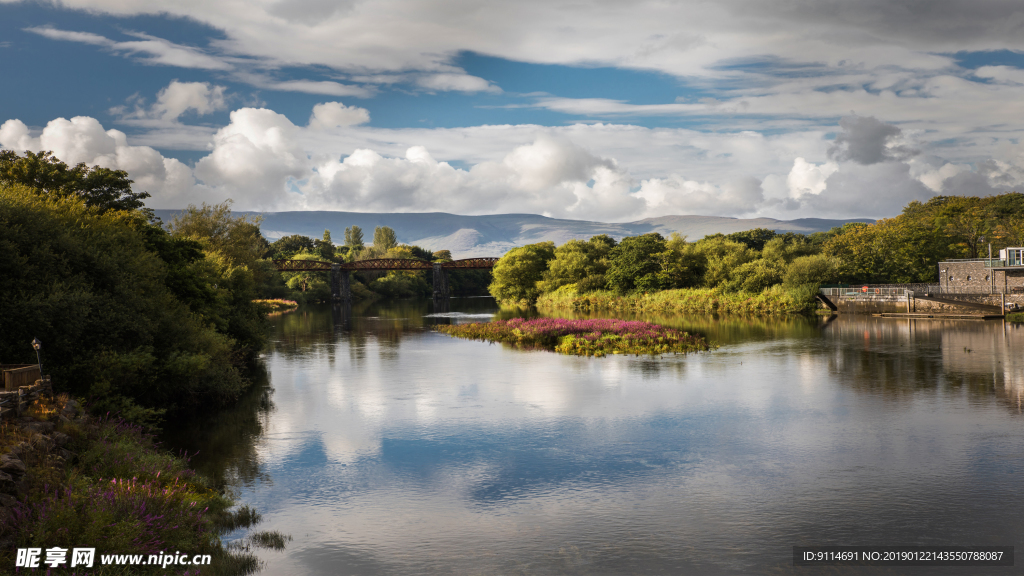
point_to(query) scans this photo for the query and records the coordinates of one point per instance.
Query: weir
(895, 299)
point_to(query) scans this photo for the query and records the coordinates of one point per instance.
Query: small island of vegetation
(595, 337)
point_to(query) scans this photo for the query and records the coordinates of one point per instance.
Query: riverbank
(69, 480)
(773, 300)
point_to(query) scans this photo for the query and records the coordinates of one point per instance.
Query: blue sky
(591, 110)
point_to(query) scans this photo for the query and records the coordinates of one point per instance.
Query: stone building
(1003, 275)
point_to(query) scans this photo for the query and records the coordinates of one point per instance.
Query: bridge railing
(865, 291)
(916, 290)
(383, 264)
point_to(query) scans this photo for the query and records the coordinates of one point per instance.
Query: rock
(20, 449)
(42, 443)
(67, 455)
(54, 461)
(7, 485)
(7, 501)
(41, 427)
(60, 438)
(10, 464)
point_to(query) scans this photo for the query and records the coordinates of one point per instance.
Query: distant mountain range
(493, 235)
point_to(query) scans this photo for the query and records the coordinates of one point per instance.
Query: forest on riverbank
(148, 319)
(757, 270)
(139, 319)
(143, 321)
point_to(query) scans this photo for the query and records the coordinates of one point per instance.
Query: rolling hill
(493, 235)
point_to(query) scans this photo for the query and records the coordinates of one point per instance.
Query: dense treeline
(135, 317)
(789, 266)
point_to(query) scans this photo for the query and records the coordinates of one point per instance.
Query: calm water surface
(382, 447)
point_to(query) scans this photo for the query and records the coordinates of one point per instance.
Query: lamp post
(38, 345)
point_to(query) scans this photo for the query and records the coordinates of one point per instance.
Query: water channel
(383, 447)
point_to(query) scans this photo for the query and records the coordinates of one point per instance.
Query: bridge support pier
(440, 276)
(340, 289)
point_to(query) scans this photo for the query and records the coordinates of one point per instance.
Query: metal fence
(865, 291)
(916, 290)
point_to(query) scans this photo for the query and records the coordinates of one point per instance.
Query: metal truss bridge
(340, 273)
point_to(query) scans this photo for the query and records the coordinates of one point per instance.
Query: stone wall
(974, 277)
(869, 304)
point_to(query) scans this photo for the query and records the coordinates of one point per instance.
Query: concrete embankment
(959, 304)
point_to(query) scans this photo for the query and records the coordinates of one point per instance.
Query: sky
(582, 109)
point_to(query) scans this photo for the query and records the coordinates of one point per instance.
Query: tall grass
(774, 300)
(277, 305)
(120, 494)
(591, 337)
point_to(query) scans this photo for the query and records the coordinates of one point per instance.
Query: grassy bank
(75, 481)
(594, 337)
(773, 300)
(1015, 317)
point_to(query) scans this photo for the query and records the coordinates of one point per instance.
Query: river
(383, 447)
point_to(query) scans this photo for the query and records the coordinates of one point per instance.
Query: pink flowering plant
(593, 337)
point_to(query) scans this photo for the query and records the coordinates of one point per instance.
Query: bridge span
(341, 272)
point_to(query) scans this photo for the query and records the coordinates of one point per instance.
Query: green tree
(516, 274)
(100, 188)
(967, 222)
(754, 239)
(632, 264)
(354, 238)
(286, 246)
(683, 264)
(813, 270)
(384, 239)
(235, 249)
(893, 250)
(722, 256)
(235, 238)
(324, 247)
(575, 261)
(755, 275)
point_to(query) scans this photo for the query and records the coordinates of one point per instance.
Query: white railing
(915, 290)
(866, 291)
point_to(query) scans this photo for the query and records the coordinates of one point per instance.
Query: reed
(774, 300)
(591, 337)
(277, 305)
